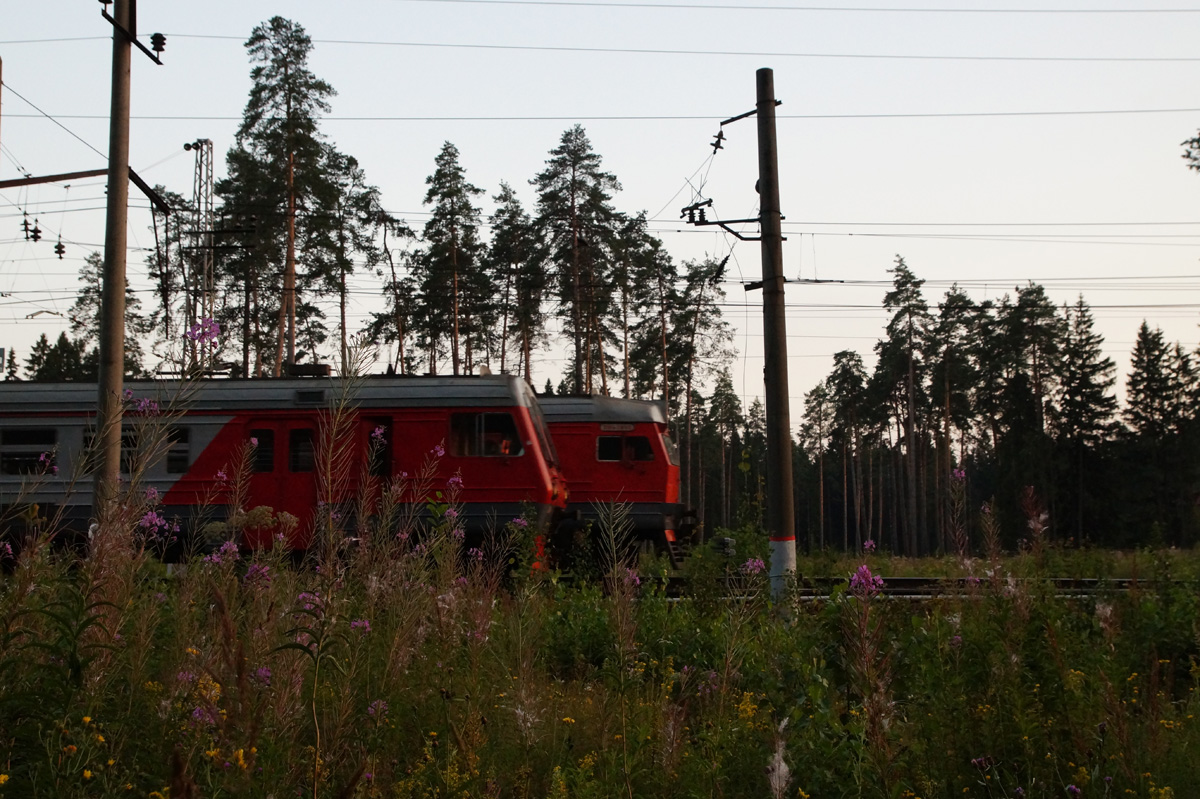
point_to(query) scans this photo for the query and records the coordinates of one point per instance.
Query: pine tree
(351, 231)
(846, 385)
(952, 376)
(814, 438)
(1034, 332)
(454, 287)
(394, 323)
(724, 419)
(576, 224)
(510, 259)
(901, 367)
(280, 177)
(10, 368)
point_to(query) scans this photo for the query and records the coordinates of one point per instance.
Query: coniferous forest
(1005, 408)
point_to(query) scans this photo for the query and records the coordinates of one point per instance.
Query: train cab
(620, 450)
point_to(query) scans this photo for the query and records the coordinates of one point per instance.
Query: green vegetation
(408, 667)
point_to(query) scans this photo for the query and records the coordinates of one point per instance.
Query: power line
(749, 53)
(822, 9)
(55, 121)
(650, 117)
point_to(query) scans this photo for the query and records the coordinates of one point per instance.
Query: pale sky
(941, 136)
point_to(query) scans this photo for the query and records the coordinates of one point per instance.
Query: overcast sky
(987, 144)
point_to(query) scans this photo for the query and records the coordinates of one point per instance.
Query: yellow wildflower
(87, 773)
(87, 719)
(3, 778)
(568, 720)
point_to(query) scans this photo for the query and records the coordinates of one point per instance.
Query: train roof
(215, 396)
(598, 408)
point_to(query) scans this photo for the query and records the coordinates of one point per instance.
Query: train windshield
(539, 426)
(672, 450)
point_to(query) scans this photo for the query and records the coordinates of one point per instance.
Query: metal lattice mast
(202, 228)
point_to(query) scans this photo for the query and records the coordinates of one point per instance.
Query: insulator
(36, 233)
(158, 42)
(59, 250)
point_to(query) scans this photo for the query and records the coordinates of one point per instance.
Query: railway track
(924, 588)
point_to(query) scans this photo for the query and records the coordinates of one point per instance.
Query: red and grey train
(488, 430)
(620, 450)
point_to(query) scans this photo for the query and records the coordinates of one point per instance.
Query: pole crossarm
(150, 193)
(132, 37)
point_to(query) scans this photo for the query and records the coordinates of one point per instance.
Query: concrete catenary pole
(780, 510)
(112, 295)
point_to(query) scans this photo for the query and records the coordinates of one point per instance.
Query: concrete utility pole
(780, 507)
(781, 525)
(112, 291)
(112, 295)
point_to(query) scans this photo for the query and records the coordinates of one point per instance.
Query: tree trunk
(454, 297)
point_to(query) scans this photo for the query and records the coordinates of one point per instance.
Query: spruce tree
(1084, 409)
(85, 322)
(1148, 389)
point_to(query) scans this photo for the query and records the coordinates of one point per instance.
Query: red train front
(619, 450)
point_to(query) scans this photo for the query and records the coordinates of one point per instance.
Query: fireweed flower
(454, 482)
(361, 624)
(521, 522)
(253, 441)
(257, 574)
(377, 709)
(262, 676)
(377, 434)
(438, 450)
(864, 583)
(204, 331)
(869, 546)
(753, 566)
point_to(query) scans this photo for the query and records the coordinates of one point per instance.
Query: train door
(283, 474)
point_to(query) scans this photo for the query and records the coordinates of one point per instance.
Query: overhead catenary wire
(713, 53)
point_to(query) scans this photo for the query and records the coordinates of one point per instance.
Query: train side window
(608, 448)
(637, 448)
(484, 434)
(302, 452)
(129, 449)
(623, 448)
(264, 454)
(27, 450)
(179, 454)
